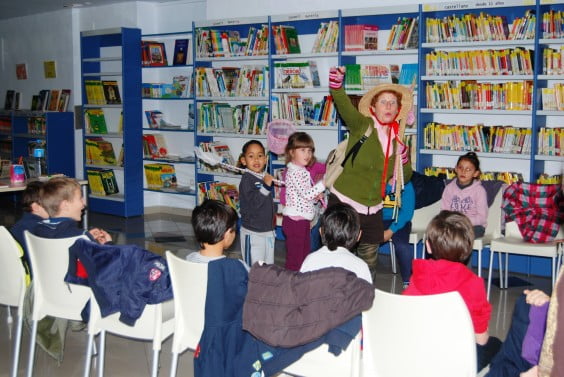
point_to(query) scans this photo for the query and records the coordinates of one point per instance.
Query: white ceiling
(18, 8)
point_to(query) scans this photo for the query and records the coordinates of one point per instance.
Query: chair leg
(415, 250)
(490, 273)
(480, 263)
(101, 353)
(393, 257)
(17, 345)
(155, 368)
(553, 271)
(9, 318)
(88, 362)
(174, 364)
(506, 285)
(500, 264)
(32, 348)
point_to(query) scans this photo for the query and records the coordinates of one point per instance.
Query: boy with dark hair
(214, 224)
(63, 201)
(449, 241)
(340, 231)
(33, 214)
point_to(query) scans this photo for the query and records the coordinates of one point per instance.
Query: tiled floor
(160, 232)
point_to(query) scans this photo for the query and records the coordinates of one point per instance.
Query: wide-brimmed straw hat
(406, 99)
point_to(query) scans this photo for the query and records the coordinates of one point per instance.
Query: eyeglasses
(383, 102)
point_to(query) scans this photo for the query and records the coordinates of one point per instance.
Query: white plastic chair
(12, 289)
(513, 243)
(421, 218)
(51, 295)
(433, 334)
(189, 285)
(320, 362)
(493, 228)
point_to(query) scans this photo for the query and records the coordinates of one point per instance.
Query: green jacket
(361, 180)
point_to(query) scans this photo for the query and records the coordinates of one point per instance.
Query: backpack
(338, 157)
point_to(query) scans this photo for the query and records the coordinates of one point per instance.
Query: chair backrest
(49, 263)
(423, 216)
(418, 336)
(189, 285)
(12, 290)
(493, 227)
(156, 323)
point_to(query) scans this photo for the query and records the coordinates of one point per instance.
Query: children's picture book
(99, 152)
(102, 182)
(64, 99)
(160, 176)
(111, 92)
(10, 100)
(54, 100)
(21, 71)
(43, 99)
(156, 54)
(154, 146)
(95, 121)
(180, 51)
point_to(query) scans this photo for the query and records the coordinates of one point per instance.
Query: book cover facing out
(180, 51)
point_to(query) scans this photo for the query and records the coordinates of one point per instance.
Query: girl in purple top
(466, 195)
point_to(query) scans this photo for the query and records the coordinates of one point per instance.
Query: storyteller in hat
(382, 157)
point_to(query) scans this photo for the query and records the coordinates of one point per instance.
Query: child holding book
(256, 206)
(449, 242)
(301, 195)
(466, 195)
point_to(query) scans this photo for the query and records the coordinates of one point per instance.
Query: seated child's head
(214, 221)
(467, 168)
(253, 156)
(300, 149)
(450, 236)
(62, 197)
(340, 226)
(31, 199)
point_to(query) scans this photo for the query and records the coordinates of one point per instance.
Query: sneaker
(405, 284)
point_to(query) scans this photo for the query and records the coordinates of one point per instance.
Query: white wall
(217, 9)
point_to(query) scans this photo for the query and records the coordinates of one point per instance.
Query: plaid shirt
(537, 209)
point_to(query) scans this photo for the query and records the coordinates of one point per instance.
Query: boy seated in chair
(449, 242)
(214, 224)
(63, 201)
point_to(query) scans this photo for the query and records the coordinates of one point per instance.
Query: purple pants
(297, 242)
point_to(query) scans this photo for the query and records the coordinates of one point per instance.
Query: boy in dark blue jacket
(63, 201)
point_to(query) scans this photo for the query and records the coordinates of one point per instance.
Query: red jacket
(440, 276)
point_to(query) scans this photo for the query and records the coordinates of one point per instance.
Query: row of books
(160, 175)
(546, 179)
(36, 125)
(222, 43)
(247, 119)
(46, 100)
(296, 75)
(361, 37)
(153, 53)
(470, 94)
(5, 125)
(477, 138)
(553, 61)
(181, 87)
(367, 76)
(220, 149)
(551, 141)
(509, 61)
(246, 81)
(224, 192)
(327, 38)
(303, 111)
(404, 34)
(285, 39)
(449, 173)
(102, 92)
(552, 25)
(479, 27)
(102, 182)
(553, 98)
(101, 152)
